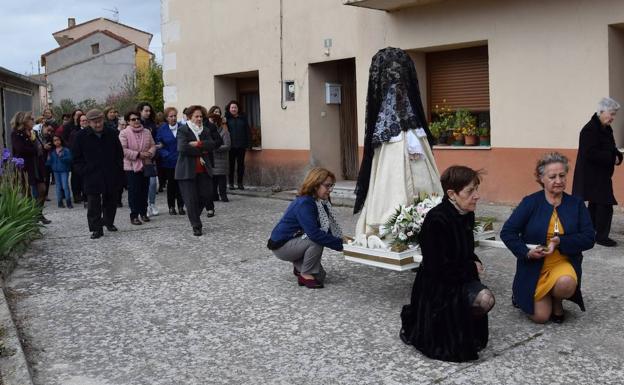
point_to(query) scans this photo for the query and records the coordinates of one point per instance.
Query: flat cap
(94, 114)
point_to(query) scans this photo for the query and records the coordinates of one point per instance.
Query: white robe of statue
(402, 168)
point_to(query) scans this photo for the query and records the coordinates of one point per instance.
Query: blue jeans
(153, 186)
(62, 186)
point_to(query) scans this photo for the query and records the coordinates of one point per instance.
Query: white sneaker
(149, 211)
(153, 209)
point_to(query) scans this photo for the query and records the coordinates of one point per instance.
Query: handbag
(149, 170)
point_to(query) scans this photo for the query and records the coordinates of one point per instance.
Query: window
(459, 80)
(95, 48)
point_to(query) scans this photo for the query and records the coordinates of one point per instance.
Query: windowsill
(451, 147)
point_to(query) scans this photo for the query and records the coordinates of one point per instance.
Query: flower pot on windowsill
(442, 140)
(458, 139)
(471, 140)
(484, 140)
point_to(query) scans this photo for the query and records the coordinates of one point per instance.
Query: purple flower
(18, 162)
(6, 154)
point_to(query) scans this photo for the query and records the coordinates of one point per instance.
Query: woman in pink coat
(139, 150)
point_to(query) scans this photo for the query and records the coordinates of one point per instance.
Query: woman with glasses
(307, 227)
(166, 141)
(139, 150)
(561, 225)
(26, 145)
(447, 316)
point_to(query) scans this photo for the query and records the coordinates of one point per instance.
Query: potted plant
(437, 131)
(458, 138)
(441, 125)
(465, 127)
(484, 134)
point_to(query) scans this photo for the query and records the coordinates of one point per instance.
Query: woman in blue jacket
(167, 143)
(60, 161)
(561, 227)
(308, 226)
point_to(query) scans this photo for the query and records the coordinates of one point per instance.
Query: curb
(337, 201)
(13, 366)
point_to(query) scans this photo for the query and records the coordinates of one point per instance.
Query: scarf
(393, 104)
(197, 130)
(327, 218)
(174, 130)
(136, 142)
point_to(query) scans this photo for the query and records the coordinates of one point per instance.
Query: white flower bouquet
(405, 224)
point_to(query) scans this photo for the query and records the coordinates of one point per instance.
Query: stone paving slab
(155, 305)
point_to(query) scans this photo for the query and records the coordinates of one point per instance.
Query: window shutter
(460, 77)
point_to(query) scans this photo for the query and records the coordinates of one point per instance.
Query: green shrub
(19, 214)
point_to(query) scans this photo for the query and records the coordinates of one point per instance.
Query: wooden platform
(405, 260)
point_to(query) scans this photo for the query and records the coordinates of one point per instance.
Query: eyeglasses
(329, 186)
(134, 119)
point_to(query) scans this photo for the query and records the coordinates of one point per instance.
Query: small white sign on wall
(333, 93)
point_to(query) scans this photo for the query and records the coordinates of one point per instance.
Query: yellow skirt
(555, 265)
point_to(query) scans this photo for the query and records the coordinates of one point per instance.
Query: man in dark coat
(595, 162)
(98, 158)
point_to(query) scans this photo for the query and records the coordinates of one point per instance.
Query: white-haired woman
(595, 162)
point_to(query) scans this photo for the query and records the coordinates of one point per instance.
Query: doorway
(616, 75)
(333, 125)
(245, 88)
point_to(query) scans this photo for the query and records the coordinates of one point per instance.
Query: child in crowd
(60, 161)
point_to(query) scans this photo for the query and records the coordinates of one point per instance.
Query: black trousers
(219, 187)
(101, 210)
(601, 216)
(197, 194)
(173, 190)
(76, 187)
(237, 157)
(138, 187)
(162, 180)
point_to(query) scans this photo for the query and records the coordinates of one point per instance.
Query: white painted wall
(549, 61)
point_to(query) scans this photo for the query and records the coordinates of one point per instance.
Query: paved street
(155, 305)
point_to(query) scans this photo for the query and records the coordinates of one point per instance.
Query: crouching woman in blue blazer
(561, 227)
(307, 227)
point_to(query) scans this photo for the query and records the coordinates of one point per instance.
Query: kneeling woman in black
(447, 317)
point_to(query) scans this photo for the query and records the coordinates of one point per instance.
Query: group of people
(447, 317)
(101, 153)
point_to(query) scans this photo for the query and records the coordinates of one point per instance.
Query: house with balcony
(94, 59)
(530, 71)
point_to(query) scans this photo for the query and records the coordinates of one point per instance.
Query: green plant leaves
(19, 214)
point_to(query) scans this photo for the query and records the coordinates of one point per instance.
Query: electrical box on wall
(289, 90)
(333, 93)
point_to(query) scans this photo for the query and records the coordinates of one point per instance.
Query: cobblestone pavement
(154, 305)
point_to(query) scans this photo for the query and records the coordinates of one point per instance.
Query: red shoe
(309, 283)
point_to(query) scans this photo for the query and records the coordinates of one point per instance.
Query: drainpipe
(282, 55)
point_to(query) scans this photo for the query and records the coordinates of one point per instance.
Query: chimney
(71, 22)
